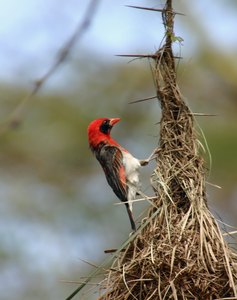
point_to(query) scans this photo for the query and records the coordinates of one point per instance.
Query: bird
(121, 168)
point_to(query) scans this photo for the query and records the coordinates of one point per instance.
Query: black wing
(111, 160)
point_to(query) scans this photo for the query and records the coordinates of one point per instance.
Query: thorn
(153, 9)
(141, 100)
(146, 8)
(203, 114)
(137, 55)
(214, 185)
(112, 250)
(154, 56)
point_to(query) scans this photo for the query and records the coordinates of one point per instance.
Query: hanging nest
(179, 251)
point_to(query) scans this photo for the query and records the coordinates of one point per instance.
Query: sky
(32, 32)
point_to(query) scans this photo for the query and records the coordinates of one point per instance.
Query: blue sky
(31, 32)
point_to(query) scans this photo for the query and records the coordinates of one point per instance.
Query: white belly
(132, 166)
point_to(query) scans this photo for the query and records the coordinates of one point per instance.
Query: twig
(14, 119)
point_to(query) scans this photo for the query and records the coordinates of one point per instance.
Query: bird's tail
(133, 225)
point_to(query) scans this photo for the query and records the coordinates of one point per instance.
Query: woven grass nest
(179, 251)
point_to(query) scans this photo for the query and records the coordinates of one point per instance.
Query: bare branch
(15, 118)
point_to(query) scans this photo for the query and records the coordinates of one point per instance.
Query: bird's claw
(153, 155)
(144, 162)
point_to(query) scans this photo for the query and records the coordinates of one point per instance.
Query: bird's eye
(105, 122)
(105, 126)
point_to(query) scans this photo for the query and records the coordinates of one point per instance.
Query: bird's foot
(144, 162)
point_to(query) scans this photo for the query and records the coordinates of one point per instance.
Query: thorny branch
(15, 118)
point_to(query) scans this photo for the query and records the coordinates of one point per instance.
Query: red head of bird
(99, 132)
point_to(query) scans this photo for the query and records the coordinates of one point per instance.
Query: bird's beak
(114, 121)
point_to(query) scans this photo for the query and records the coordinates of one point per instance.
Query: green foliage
(175, 38)
(53, 186)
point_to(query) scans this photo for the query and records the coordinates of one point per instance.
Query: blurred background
(56, 209)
